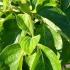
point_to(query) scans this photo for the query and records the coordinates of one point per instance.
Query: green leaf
(24, 6)
(52, 3)
(6, 4)
(25, 22)
(11, 56)
(1, 24)
(10, 16)
(65, 3)
(1, 3)
(57, 39)
(56, 14)
(24, 43)
(55, 62)
(40, 2)
(34, 41)
(55, 33)
(8, 32)
(58, 11)
(20, 64)
(23, 1)
(51, 24)
(65, 55)
(35, 3)
(65, 36)
(20, 22)
(1, 13)
(37, 61)
(28, 44)
(32, 60)
(46, 36)
(1, 28)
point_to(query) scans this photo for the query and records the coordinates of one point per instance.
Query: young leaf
(11, 56)
(28, 44)
(25, 22)
(34, 41)
(1, 13)
(20, 64)
(56, 65)
(6, 4)
(20, 23)
(24, 43)
(1, 23)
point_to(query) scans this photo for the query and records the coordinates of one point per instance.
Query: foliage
(34, 34)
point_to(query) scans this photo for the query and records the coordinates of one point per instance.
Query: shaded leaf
(46, 36)
(56, 14)
(37, 61)
(56, 35)
(9, 33)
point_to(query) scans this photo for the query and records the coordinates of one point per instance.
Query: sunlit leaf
(1, 24)
(56, 35)
(11, 56)
(25, 22)
(56, 65)
(33, 59)
(6, 4)
(29, 44)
